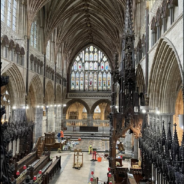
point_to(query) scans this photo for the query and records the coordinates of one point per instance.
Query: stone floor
(69, 175)
(100, 145)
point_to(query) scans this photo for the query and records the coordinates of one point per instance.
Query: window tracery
(90, 71)
(34, 34)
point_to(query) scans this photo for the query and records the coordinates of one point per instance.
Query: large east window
(91, 71)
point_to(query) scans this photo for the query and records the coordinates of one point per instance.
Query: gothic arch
(16, 84)
(140, 78)
(49, 93)
(38, 89)
(165, 77)
(97, 103)
(73, 101)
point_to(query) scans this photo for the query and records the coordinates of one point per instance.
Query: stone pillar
(51, 119)
(44, 124)
(136, 148)
(18, 114)
(90, 119)
(38, 123)
(58, 119)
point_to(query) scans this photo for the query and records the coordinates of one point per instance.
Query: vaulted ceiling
(78, 23)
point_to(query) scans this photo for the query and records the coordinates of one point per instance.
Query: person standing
(62, 135)
(59, 137)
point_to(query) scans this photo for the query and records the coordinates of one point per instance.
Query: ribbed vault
(81, 22)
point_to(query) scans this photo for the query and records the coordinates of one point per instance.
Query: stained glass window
(73, 80)
(3, 10)
(14, 15)
(90, 71)
(77, 81)
(34, 35)
(9, 13)
(82, 81)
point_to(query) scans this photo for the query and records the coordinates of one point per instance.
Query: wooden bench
(52, 170)
(27, 160)
(42, 162)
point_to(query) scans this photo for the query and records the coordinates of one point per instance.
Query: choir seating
(40, 170)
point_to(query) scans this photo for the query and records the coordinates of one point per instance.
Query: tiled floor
(69, 175)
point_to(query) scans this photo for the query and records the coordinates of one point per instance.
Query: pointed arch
(97, 103)
(73, 101)
(49, 93)
(165, 77)
(38, 88)
(16, 84)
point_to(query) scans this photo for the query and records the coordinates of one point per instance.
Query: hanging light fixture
(40, 172)
(109, 169)
(91, 179)
(92, 172)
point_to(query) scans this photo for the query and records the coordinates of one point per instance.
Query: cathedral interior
(92, 92)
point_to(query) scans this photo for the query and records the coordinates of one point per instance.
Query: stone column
(90, 119)
(38, 123)
(44, 123)
(51, 119)
(58, 119)
(135, 148)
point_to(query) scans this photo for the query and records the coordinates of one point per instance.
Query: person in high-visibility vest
(62, 135)
(90, 149)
